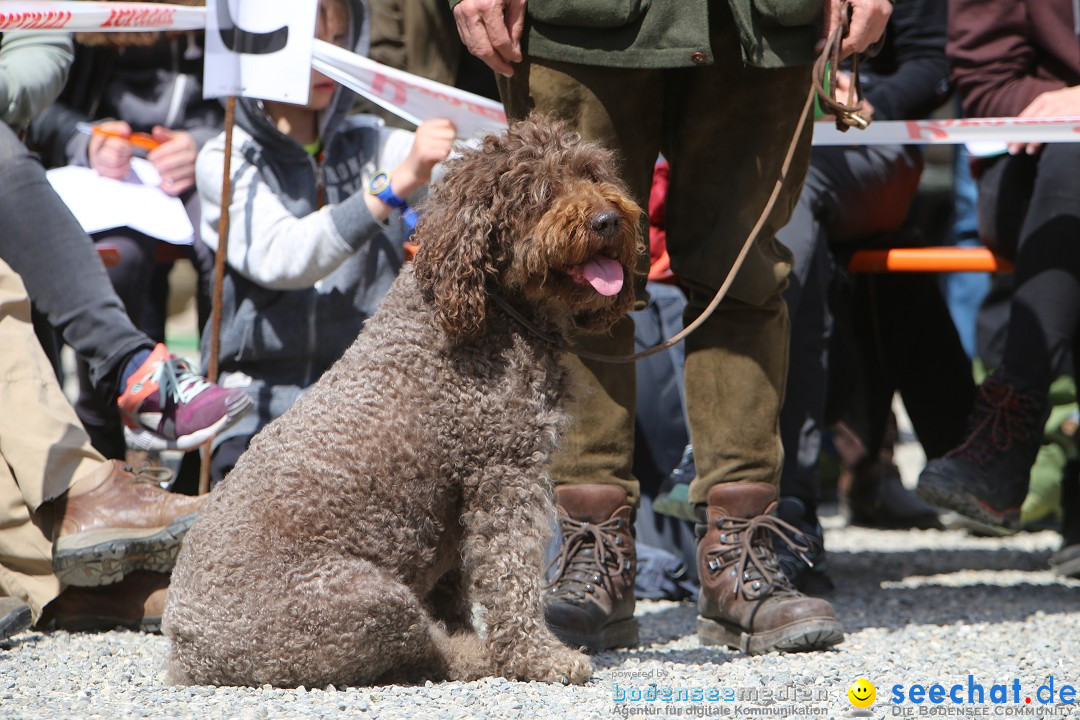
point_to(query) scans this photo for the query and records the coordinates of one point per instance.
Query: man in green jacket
(717, 88)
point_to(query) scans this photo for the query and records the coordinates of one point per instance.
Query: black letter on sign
(239, 40)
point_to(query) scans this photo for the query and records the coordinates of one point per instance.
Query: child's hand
(432, 144)
(174, 159)
(111, 156)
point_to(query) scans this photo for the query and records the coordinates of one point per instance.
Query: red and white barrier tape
(952, 132)
(82, 16)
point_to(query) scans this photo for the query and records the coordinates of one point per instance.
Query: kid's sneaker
(167, 406)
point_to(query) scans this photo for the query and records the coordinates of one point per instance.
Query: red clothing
(659, 262)
(1005, 53)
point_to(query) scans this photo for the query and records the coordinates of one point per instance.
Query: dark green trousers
(724, 128)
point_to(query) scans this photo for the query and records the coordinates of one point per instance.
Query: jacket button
(698, 57)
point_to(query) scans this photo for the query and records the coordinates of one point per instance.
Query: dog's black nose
(606, 223)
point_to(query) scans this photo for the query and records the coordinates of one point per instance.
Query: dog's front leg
(507, 520)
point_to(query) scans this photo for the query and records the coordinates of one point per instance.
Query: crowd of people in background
(727, 448)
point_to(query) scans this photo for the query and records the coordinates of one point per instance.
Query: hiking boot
(804, 568)
(126, 523)
(746, 601)
(986, 478)
(136, 602)
(167, 406)
(590, 600)
(1066, 561)
(15, 616)
(878, 499)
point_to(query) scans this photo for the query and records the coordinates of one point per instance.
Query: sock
(134, 363)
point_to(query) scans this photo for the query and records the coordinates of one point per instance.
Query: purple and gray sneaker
(167, 406)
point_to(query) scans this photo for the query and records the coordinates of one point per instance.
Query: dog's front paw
(557, 665)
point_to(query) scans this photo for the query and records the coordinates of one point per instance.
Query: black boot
(879, 499)
(1066, 561)
(986, 478)
(804, 567)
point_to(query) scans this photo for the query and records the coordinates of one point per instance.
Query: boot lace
(1002, 416)
(147, 474)
(592, 555)
(746, 546)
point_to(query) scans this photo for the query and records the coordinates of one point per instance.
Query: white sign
(408, 96)
(259, 48)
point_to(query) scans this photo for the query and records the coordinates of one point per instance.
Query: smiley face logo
(862, 693)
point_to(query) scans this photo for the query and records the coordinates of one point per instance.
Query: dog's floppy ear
(454, 260)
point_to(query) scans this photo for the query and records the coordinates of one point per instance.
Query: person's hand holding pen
(110, 151)
(172, 153)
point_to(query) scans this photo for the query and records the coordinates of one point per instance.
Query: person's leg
(69, 515)
(44, 243)
(727, 129)
(1046, 301)
(131, 280)
(620, 109)
(987, 476)
(597, 103)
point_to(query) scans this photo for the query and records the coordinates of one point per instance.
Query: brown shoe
(746, 602)
(120, 526)
(135, 602)
(15, 616)
(590, 602)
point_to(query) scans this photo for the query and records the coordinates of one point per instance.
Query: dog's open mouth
(602, 273)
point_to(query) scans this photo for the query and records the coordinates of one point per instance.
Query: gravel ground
(918, 607)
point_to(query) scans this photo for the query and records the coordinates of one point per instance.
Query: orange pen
(139, 140)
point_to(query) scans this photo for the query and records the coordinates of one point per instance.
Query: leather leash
(846, 115)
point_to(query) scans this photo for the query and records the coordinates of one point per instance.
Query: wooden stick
(219, 277)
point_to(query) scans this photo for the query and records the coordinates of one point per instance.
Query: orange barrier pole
(929, 259)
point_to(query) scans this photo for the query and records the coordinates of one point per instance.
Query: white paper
(259, 49)
(101, 203)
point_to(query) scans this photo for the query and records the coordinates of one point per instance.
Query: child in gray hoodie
(311, 249)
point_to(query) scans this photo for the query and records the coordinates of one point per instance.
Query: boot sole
(97, 623)
(104, 557)
(621, 634)
(15, 622)
(800, 636)
(944, 492)
(1069, 568)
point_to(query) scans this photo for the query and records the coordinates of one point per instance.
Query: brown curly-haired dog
(353, 538)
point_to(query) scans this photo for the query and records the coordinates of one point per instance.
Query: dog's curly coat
(352, 539)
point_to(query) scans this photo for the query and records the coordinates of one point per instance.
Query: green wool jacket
(668, 33)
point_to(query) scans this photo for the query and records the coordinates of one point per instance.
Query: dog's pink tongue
(604, 274)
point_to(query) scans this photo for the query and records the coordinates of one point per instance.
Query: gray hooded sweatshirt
(300, 280)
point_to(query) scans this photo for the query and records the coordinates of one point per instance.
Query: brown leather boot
(590, 602)
(746, 602)
(136, 602)
(119, 526)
